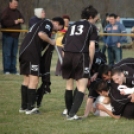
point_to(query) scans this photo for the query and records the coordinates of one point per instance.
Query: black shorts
(75, 65)
(29, 68)
(92, 93)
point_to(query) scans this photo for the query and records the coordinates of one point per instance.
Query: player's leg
(81, 86)
(45, 71)
(23, 91)
(33, 82)
(69, 94)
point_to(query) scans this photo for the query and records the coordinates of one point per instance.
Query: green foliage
(50, 121)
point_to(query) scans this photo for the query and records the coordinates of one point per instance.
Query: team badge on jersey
(132, 82)
(34, 68)
(47, 27)
(126, 73)
(98, 61)
(86, 70)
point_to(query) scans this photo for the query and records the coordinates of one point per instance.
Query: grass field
(50, 121)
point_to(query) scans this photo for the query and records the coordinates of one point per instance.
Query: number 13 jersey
(78, 36)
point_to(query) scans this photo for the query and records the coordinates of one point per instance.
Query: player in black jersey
(122, 104)
(36, 40)
(79, 49)
(125, 65)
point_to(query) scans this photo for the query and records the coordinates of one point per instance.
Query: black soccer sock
(40, 93)
(68, 99)
(77, 103)
(23, 97)
(75, 91)
(31, 98)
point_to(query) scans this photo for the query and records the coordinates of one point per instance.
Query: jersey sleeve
(93, 34)
(118, 101)
(46, 27)
(130, 81)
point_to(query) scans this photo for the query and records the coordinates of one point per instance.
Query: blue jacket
(34, 20)
(116, 28)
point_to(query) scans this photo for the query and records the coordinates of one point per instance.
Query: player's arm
(91, 52)
(45, 38)
(106, 100)
(102, 108)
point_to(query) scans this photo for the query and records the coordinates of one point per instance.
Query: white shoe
(33, 111)
(75, 117)
(65, 112)
(17, 73)
(7, 73)
(21, 110)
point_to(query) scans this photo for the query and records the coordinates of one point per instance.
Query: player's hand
(118, 45)
(93, 78)
(53, 42)
(16, 21)
(132, 97)
(122, 92)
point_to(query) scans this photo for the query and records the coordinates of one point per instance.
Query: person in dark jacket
(39, 14)
(11, 18)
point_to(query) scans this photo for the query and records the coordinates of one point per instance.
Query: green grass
(50, 120)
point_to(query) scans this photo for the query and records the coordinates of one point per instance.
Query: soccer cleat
(64, 112)
(33, 111)
(75, 117)
(21, 110)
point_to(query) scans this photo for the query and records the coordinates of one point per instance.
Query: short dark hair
(104, 69)
(101, 85)
(89, 11)
(66, 17)
(113, 15)
(116, 71)
(59, 19)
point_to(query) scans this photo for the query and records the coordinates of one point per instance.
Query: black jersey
(78, 36)
(129, 81)
(118, 101)
(127, 66)
(99, 59)
(32, 45)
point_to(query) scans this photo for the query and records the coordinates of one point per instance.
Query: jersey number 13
(76, 30)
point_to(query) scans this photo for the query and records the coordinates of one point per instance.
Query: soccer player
(79, 49)
(125, 65)
(36, 40)
(122, 104)
(104, 72)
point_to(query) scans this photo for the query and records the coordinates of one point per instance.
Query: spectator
(117, 18)
(132, 31)
(11, 18)
(104, 24)
(113, 43)
(98, 24)
(66, 18)
(39, 14)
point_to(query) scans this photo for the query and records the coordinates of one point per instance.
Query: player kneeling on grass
(36, 40)
(123, 105)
